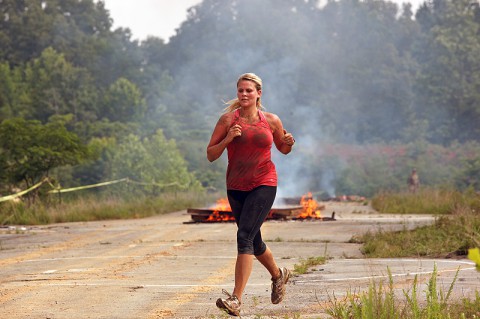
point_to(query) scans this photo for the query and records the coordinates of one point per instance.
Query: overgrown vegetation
(384, 302)
(428, 200)
(455, 231)
(400, 85)
(393, 89)
(94, 207)
(370, 170)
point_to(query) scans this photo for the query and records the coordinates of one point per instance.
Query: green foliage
(378, 168)
(469, 308)
(6, 90)
(14, 97)
(73, 27)
(152, 160)
(30, 150)
(124, 102)
(381, 301)
(56, 87)
(448, 85)
(348, 72)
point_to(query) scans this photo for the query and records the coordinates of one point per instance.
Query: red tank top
(249, 156)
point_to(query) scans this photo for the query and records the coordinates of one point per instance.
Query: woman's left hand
(288, 138)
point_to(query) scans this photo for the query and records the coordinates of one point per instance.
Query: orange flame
(310, 207)
(220, 212)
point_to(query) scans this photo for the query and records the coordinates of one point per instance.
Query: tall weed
(381, 301)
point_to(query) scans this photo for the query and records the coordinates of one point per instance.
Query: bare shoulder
(271, 117)
(226, 119)
(273, 120)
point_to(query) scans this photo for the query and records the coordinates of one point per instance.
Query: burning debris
(296, 208)
(311, 208)
(222, 212)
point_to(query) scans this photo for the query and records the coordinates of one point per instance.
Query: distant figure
(413, 181)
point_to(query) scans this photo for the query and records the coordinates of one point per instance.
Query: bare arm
(283, 141)
(222, 135)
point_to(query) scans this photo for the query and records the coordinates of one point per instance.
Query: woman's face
(247, 93)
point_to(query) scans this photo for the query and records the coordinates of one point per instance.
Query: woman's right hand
(234, 131)
(222, 135)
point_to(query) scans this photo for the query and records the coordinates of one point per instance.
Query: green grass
(382, 301)
(448, 236)
(305, 264)
(455, 230)
(91, 208)
(426, 201)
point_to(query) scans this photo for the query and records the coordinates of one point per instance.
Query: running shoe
(279, 286)
(231, 305)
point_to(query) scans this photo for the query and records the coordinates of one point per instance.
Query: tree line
(86, 103)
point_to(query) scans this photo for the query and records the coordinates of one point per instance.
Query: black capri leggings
(250, 209)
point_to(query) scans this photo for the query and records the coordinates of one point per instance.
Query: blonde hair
(234, 104)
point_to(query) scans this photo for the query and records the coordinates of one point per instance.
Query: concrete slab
(161, 267)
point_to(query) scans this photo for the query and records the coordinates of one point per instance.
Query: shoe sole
(222, 306)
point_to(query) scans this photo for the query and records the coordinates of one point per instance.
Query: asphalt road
(163, 267)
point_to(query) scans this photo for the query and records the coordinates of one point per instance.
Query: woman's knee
(259, 249)
(244, 243)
